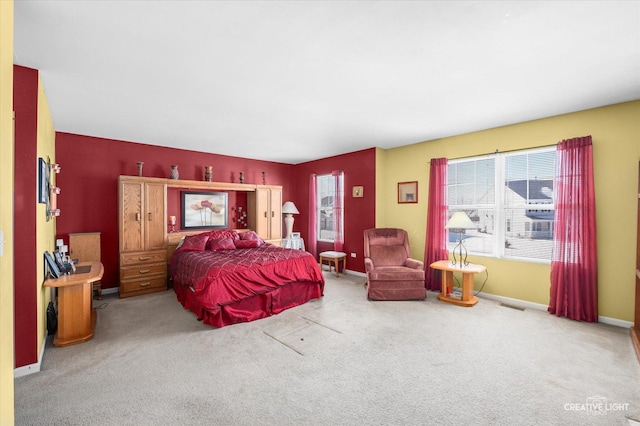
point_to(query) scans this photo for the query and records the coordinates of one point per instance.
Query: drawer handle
(145, 284)
(144, 258)
(145, 271)
(138, 217)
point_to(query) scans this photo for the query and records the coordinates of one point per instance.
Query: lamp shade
(460, 220)
(290, 208)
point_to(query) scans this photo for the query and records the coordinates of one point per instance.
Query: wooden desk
(76, 316)
(468, 271)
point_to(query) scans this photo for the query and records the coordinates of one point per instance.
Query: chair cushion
(333, 254)
(395, 273)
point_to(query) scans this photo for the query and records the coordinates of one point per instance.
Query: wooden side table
(76, 316)
(468, 271)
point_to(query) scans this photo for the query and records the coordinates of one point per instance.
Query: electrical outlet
(353, 255)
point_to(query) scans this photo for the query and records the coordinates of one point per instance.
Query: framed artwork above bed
(204, 210)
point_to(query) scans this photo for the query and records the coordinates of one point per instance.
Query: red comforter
(228, 286)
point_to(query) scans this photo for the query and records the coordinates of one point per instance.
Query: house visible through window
(509, 197)
(326, 193)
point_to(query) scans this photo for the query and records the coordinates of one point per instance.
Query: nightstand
(293, 243)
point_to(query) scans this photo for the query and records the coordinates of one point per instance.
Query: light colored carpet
(339, 360)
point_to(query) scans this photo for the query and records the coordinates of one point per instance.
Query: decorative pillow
(223, 233)
(247, 243)
(251, 236)
(221, 244)
(194, 243)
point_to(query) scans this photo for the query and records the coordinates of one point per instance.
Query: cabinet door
(262, 213)
(131, 224)
(154, 220)
(275, 202)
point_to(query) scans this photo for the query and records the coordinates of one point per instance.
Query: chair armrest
(414, 264)
(368, 264)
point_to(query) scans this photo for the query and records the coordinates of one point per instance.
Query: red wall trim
(25, 104)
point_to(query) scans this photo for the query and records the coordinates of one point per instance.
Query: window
(510, 199)
(326, 193)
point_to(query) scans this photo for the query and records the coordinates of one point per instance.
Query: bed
(225, 277)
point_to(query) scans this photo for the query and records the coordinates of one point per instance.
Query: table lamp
(459, 222)
(289, 209)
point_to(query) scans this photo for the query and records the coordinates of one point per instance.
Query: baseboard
(111, 290)
(530, 305)
(356, 273)
(25, 370)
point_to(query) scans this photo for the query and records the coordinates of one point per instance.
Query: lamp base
(288, 223)
(462, 253)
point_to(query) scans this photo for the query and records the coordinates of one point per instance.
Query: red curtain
(338, 239)
(574, 263)
(436, 239)
(312, 244)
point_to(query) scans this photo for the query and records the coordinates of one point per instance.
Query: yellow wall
(616, 148)
(6, 212)
(46, 230)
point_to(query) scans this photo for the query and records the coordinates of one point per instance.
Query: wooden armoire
(143, 247)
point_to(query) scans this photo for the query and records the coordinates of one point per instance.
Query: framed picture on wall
(408, 192)
(43, 181)
(202, 210)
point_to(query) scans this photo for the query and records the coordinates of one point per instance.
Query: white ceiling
(292, 81)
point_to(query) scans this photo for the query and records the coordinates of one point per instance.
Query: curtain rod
(497, 151)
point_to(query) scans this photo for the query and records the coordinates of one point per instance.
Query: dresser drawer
(142, 257)
(136, 287)
(140, 271)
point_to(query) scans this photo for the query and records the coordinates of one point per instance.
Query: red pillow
(194, 243)
(247, 244)
(251, 236)
(223, 233)
(220, 244)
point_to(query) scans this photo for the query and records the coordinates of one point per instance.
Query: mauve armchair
(391, 272)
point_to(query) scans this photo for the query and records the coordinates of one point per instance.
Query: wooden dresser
(142, 226)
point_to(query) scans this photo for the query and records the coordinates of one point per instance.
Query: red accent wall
(88, 179)
(25, 104)
(359, 213)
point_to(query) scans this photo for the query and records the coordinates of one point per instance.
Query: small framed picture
(295, 235)
(358, 191)
(407, 192)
